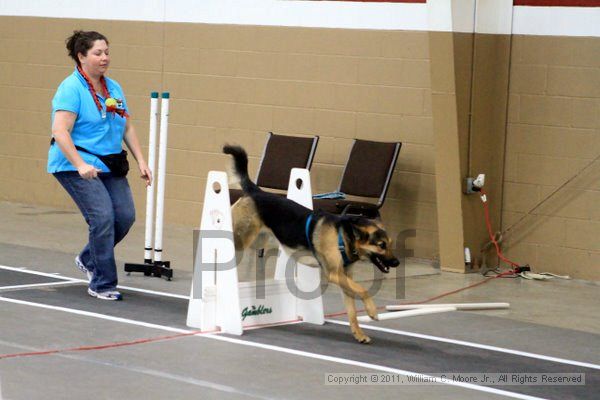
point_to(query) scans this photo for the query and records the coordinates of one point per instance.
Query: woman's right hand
(87, 171)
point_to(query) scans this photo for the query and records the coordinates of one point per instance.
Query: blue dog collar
(307, 231)
(342, 248)
(341, 245)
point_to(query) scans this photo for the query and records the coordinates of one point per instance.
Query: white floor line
(95, 315)
(280, 349)
(376, 328)
(34, 285)
(56, 275)
(24, 270)
(371, 366)
(141, 370)
(154, 292)
(470, 344)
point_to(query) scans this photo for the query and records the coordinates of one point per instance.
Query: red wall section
(558, 3)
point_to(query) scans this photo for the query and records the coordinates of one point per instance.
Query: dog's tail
(240, 158)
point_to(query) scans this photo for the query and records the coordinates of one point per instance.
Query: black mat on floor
(424, 356)
(137, 306)
(389, 350)
(12, 278)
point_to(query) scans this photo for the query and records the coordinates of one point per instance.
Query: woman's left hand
(145, 173)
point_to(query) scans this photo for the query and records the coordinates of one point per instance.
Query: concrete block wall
(341, 70)
(553, 133)
(232, 84)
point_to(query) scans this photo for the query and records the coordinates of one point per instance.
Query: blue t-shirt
(90, 131)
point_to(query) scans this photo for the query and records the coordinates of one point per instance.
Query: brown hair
(81, 42)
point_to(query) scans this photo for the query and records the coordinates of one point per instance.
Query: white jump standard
(153, 264)
(218, 300)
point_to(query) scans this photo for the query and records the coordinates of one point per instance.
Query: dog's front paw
(362, 338)
(358, 334)
(371, 310)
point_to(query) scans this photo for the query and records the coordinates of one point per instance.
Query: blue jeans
(107, 206)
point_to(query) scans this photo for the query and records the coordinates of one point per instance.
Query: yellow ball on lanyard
(110, 103)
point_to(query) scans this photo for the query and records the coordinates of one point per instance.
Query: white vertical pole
(150, 189)
(162, 164)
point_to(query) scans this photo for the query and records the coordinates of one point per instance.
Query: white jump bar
(408, 313)
(459, 306)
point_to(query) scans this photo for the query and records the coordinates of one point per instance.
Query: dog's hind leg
(246, 225)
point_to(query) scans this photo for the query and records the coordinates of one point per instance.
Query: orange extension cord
(101, 347)
(486, 210)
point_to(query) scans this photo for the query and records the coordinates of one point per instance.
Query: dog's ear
(361, 234)
(355, 226)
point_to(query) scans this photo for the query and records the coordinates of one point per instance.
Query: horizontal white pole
(459, 306)
(409, 313)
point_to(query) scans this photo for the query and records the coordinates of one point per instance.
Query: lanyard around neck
(105, 92)
(109, 107)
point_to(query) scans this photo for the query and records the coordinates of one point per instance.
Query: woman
(89, 111)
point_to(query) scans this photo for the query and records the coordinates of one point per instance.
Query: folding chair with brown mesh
(367, 173)
(280, 155)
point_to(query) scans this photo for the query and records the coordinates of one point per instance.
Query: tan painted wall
(233, 84)
(469, 91)
(486, 141)
(450, 93)
(554, 132)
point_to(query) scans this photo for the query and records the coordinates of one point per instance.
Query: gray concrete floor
(553, 318)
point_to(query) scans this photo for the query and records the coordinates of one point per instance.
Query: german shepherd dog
(336, 242)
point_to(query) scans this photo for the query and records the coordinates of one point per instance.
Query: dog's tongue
(379, 264)
(383, 268)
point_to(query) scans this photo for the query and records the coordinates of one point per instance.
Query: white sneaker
(83, 268)
(108, 295)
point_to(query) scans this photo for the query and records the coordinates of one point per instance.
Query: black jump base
(151, 268)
